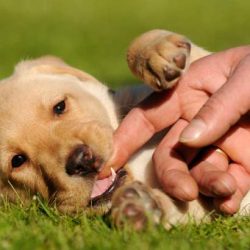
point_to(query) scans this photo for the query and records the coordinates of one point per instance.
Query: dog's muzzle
(82, 161)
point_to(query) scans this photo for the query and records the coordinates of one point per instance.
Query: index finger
(157, 112)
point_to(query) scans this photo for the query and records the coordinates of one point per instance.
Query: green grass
(40, 227)
(93, 35)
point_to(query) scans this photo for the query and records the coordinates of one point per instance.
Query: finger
(211, 72)
(159, 111)
(231, 204)
(236, 143)
(221, 111)
(171, 168)
(211, 176)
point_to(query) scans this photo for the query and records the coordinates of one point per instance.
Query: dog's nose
(82, 161)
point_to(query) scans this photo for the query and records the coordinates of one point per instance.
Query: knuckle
(140, 115)
(159, 168)
(215, 106)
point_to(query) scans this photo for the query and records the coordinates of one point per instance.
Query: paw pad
(135, 205)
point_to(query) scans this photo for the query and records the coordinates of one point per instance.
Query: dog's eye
(18, 160)
(59, 108)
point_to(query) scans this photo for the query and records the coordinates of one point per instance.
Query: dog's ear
(52, 65)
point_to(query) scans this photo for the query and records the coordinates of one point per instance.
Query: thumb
(223, 109)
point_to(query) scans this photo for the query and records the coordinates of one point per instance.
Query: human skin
(209, 106)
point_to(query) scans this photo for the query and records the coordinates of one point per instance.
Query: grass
(41, 227)
(93, 35)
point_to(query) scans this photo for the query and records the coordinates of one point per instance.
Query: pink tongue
(100, 186)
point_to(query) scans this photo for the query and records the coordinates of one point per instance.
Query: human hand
(219, 81)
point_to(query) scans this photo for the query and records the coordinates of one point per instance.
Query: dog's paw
(161, 61)
(135, 205)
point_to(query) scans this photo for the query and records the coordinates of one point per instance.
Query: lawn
(40, 227)
(93, 35)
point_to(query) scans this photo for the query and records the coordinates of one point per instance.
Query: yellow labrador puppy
(56, 132)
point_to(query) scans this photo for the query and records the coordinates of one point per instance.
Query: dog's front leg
(139, 206)
(160, 57)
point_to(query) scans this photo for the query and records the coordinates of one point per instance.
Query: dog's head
(56, 126)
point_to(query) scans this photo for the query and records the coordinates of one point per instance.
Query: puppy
(56, 132)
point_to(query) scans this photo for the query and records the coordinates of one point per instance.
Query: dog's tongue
(100, 186)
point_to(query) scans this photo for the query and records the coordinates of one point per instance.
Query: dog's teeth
(113, 174)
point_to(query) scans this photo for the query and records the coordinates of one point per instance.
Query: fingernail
(104, 173)
(184, 195)
(193, 131)
(222, 188)
(229, 208)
